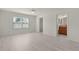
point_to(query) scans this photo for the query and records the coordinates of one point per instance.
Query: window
(20, 22)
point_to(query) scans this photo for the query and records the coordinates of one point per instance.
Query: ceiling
(20, 10)
(37, 11)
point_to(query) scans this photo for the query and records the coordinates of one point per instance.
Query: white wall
(73, 22)
(6, 25)
(73, 33)
(49, 25)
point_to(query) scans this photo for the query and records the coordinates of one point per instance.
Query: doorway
(62, 25)
(41, 24)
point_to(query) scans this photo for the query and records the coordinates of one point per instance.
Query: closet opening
(62, 25)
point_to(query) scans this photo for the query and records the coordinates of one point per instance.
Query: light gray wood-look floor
(36, 42)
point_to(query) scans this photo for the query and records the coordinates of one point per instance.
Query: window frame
(21, 22)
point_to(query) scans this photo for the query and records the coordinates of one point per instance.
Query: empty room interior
(39, 29)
